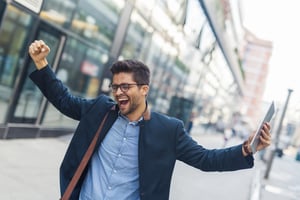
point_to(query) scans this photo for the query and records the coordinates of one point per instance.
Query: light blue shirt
(113, 173)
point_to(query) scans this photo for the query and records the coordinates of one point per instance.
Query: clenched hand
(38, 51)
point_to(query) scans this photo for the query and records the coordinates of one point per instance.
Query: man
(137, 149)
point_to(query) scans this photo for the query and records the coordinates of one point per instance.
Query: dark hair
(140, 71)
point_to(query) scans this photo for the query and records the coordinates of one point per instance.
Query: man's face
(131, 100)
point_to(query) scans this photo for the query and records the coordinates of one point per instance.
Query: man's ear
(145, 89)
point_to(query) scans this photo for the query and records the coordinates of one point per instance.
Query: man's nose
(119, 91)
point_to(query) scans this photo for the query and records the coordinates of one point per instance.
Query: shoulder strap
(83, 162)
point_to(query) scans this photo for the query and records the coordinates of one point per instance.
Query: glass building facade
(85, 37)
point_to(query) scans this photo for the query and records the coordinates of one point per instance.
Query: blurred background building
(256, 55)
(203, 60)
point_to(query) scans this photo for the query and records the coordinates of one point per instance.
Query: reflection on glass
(81, 63)
(14, 29)
(79, 69)
(97, 20)
(145, 6)
(137, 39)
(59, 12)
(28, 105)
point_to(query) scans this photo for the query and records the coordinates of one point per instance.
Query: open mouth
(123, 101)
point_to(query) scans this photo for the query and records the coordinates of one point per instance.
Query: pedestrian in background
(137, 149)
(190, 123)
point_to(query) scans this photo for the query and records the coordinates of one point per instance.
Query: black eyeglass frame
(124, 87)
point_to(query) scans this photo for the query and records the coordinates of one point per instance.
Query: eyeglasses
(124, 86)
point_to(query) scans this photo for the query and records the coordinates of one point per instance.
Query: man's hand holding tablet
(261, 138)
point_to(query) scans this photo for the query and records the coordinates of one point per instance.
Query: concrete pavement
(29, 171)
(193, 184)
(29, 168)
(283, 182)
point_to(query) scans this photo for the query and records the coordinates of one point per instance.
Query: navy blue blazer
(162, 140)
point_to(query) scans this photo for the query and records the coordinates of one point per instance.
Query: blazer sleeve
(227, 159)
(59, 95)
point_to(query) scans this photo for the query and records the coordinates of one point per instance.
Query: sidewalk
(193, 184)
(29, 170)
(284, 177)
(283, 182)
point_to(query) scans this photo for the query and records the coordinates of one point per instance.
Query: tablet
(267, 118)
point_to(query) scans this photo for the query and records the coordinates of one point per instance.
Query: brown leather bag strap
(83, 162)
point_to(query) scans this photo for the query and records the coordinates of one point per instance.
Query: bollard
(273, 152)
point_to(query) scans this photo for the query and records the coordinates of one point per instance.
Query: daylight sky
(278, 21)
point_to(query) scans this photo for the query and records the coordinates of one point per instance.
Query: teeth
(122, 98)
(123, 102)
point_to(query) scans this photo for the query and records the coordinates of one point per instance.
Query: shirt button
(109, 187)
(115, 171)
(119, 155)
(124, 138)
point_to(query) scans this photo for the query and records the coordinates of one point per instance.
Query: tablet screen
(267, 118)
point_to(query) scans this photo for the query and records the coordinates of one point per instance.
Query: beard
(130, 107)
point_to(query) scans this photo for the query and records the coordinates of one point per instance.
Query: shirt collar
(126, 118)
(145, 116)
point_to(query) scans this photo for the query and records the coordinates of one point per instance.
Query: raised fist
(38, 51)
